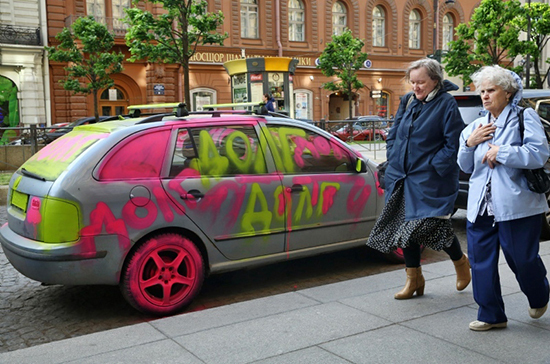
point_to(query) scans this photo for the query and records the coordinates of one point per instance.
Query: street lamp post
(528, 57)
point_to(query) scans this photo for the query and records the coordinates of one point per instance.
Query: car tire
(163, 275)
(378, 137)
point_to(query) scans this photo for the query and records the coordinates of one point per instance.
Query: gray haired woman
(422, 177)
(502, 211)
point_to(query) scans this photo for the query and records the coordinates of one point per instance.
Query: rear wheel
(163, 275)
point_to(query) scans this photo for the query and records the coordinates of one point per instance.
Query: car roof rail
(252, 108)
(179, 109)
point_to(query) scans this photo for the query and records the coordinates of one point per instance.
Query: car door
(219, 178)
(327, 200)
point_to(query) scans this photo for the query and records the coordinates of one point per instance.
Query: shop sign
(256, 77)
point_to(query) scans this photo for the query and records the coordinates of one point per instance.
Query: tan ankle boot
(463, 276)
(415, 283)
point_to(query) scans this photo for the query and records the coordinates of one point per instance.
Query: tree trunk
(96, 106)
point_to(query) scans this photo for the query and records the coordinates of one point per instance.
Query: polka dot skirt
(391, 231)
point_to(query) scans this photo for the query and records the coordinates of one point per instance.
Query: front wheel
(163, 275)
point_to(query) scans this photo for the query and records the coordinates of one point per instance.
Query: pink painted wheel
(163, 275)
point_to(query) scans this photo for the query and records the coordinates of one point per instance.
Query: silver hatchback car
(156, 203)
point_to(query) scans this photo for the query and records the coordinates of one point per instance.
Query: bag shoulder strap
(409, 101)
(522, 126)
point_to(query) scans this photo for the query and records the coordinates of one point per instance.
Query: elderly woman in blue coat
(422, 177)
(502, 211)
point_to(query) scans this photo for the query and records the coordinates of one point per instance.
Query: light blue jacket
(511, 197)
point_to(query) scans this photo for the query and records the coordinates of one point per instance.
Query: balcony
(20, 35)
(115, 25)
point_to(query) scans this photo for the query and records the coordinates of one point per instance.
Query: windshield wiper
(32, 175)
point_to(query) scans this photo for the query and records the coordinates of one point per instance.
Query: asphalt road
(33, 314)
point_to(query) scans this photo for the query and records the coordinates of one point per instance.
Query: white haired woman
(502, 211)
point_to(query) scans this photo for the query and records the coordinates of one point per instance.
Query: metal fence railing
(17, 144)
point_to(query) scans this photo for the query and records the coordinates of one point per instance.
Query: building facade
(395, 32)
(24, 80)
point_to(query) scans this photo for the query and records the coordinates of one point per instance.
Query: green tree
(491, 37)
(343, 57)
(85, 47)
(539, 13)
(173, 36)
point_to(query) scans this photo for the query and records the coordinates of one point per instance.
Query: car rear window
(54, 158)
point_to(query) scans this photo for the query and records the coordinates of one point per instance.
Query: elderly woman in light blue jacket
(502, 211)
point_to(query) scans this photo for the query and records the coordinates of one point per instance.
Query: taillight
(60, 220)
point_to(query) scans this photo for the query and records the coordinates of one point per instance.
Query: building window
(96, 8)
(378, 27)
(339, 18)
(201, 97)
(109, 12)
(414, 29)
(249, 19)
(448, 31)
(296, 20)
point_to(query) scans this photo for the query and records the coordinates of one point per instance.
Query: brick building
(396, 32)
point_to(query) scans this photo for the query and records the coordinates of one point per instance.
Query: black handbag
(538, 180)
(382, 174)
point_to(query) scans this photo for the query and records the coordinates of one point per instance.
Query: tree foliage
(173, 36)
(539, 13)
(491, 37)
(85, 47)
(343, 57)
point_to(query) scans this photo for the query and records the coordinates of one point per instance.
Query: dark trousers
(519, 240)
(412, 253)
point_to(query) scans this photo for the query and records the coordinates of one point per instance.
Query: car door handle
(192, 195)
(295, 188)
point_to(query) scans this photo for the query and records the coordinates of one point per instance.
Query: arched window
(414, 29)
(296, 21)
(113, 101)
(249, 19)
(378, 27)
(339, 18)
(448, 31)
(201, 97)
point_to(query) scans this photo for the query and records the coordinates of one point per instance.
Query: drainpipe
(45, 62)
(278, 26)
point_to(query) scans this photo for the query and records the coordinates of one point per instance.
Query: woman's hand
(491, 156)
(481, 134)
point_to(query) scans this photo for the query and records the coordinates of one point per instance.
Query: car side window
(137, 157)
(298, 150)
(218, 152)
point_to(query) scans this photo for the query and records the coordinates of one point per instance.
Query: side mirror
(360, 166)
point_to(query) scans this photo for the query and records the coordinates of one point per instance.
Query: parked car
(360, 133)
(471, 108)
(59, 129)
(155, 204)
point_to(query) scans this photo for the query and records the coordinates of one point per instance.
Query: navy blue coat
(423, 153)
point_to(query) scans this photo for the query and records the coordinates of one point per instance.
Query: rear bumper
(67, 263)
